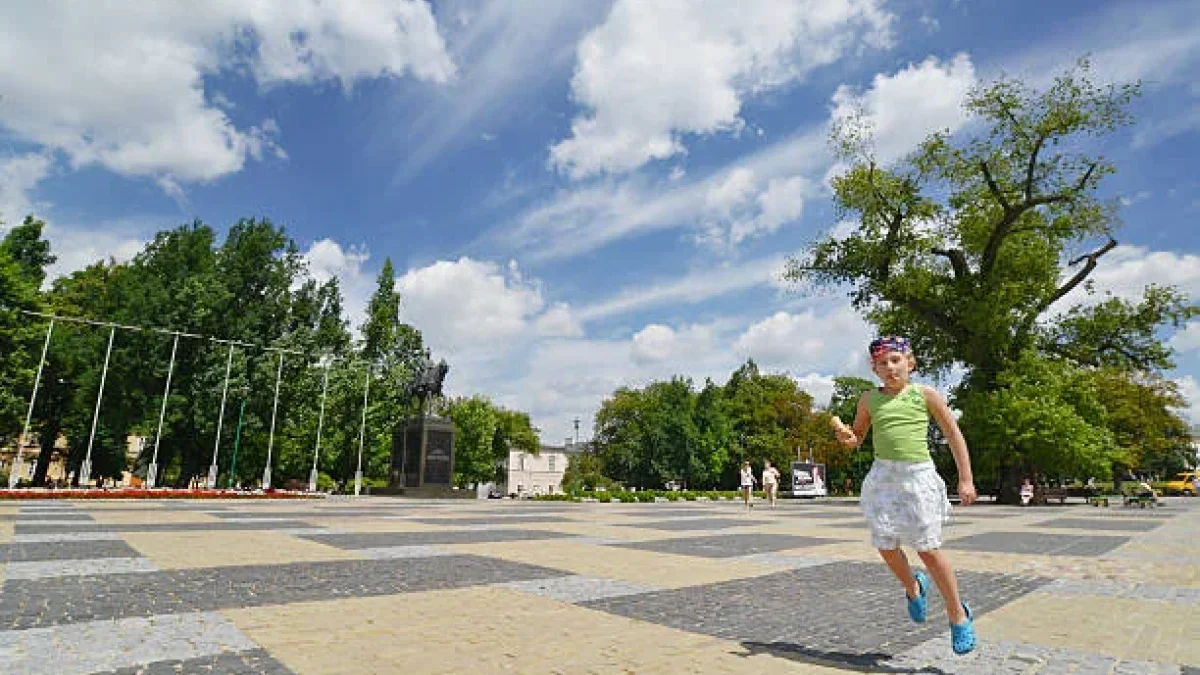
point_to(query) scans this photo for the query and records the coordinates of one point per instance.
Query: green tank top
(900, 425)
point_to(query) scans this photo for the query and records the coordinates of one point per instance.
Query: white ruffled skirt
(905, 504)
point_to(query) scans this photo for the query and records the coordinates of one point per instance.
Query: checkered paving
(391, 585)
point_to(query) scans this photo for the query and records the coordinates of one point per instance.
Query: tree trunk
(47, 437)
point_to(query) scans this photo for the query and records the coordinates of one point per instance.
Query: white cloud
(1158, 42)
(656, 344)
(691, 288)
(327, 258)
(1153, 132)
(753, 195)
(507, 53)
(19, 175)
(559, 321)
(116, 85)
(807, 341)
(77, 247)
(642, 93)
(1191, 392)
(585, 218)
(907, 106)
(1127, 270)
(468, 303)
(1187, 339)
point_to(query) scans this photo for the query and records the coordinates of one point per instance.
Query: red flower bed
(143, 493)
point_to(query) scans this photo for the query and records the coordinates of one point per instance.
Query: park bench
(1142, 500)
(1046, 494)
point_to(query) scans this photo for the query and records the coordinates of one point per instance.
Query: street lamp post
(237, 441)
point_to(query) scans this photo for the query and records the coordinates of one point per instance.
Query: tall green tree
(394, 348)
(969, 246)
(26, 246)
(18, 339)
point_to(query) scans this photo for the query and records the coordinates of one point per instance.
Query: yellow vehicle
(1183, 484)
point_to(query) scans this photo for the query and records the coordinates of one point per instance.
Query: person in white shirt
(748, 484)
(770, 481)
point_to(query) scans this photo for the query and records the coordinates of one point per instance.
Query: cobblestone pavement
(378, 585)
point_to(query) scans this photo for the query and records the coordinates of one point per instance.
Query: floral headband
(890, 343)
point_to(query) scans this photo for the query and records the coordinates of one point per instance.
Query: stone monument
(423, 446)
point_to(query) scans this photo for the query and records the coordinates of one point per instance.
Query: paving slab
(76, 599)
(1091, 524)
(727, 546)
(1032, 543)
(844, 614)
(358, 540)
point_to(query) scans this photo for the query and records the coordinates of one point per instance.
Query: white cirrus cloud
(642, 93)
(121, 86)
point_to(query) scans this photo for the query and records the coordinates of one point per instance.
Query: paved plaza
(377, 585)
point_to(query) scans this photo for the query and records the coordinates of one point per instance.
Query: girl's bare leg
(897, 562)
(943, 575)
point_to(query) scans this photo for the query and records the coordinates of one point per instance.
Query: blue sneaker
(918, 606)
(962, 635)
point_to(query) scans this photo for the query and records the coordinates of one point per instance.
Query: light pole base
(15, 475)
(357, 483)
(151, 475)
(312, 481)
(212, 477)
(85, 473)
(266, 481)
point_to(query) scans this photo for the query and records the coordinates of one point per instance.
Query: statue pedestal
(423, 456)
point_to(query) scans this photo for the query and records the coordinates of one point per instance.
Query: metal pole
(266, 479)
(16, 467)
(362, 433)
(152, 470)
(237, 441)
(85, 469)
(312, 476)
(212, 469)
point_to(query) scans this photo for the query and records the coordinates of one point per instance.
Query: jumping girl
(903, 497)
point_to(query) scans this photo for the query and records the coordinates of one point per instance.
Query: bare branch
(1092, 260)
(958, 260)
(991, 183)
(1005, 227)
(1033, 157)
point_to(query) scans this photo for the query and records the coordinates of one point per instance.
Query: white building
(541, 474)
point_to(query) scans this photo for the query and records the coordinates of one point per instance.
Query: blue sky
(577, 195)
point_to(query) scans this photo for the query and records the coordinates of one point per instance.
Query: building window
(522, 462)
(552, 458)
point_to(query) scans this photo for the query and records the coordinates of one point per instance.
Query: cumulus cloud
(326, 258)
(1187, 339)
(19, 175)
(115, 85)
(905, 107)
(643, 93)
(1190, 388)
(467, 303)
(807, 341)
(559, 321)
(1127, 270)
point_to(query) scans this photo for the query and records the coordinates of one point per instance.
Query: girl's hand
(966, 492)
(845, 434)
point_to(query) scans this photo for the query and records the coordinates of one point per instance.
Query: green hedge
(643, 496)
